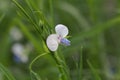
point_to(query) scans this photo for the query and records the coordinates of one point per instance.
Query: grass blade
(97, 77)
(80, 64)
(83, 23)
(6, 72)
(27, 15)
(23, 10)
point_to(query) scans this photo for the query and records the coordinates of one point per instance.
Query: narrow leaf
(6, 72)
(97, 77)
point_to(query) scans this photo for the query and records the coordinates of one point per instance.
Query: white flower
(53, 40)
(16, 34)
(19, 53)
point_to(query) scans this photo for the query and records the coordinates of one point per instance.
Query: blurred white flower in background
(20, 53)
(53, 40)
(16, 34)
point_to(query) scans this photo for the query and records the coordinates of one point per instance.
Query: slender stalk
(30, 66)
(51, 12)
(60, 63)
(80, 65)
(63, 75)
(33, 61)
(95, 73)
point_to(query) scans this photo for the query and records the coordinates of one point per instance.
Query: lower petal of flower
(65, 42)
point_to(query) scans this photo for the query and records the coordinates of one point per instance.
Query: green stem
(30, 66)
(61, 66)
(52, 12)
(80, 65)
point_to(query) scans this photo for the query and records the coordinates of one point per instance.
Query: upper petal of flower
(52, 42)
(61, 30)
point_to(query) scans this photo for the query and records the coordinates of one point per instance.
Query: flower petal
(61, 30)
(52, 42)
(65, 42)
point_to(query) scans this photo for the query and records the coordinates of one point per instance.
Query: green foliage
(6, 72)
(93, 31)
(94, 71)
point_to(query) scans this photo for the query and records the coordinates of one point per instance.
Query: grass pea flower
(53, 40)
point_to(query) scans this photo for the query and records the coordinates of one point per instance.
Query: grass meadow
(94, 33)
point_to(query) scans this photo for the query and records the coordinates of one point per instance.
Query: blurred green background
(94, 30)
